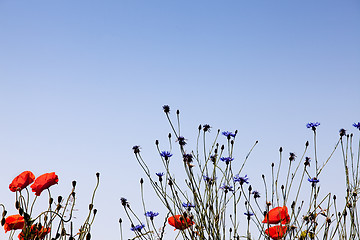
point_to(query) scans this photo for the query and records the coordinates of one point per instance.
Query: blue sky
(81, 82)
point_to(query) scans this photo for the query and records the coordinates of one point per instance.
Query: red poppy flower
(178, 221)
(44, 182)
(14, 222)
(276, 232)
(35, 231)
(22, 181)
(276, 215)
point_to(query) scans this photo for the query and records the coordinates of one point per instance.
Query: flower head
(188, 205)
(228, 134)
(227, 160)
(357, 125)
(313, 125)
(313, 180)
(241, 180)
(137, 227)
(209, 180)
(165, 154)
(136, 149)
(277, 215)
(44, 182)
(14, 222)
(182, 141)
(256, 194)
(151, 214)
(206, 128)
(292, 156)
(188, 158)
(307, 161)
(166, 108)
(124, 201)
(227, 188)
(248, 214)
(342, 132)
(22, 181)
(276, 232)
(180, 222)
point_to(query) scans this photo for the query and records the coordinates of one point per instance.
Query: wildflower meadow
(211, 197)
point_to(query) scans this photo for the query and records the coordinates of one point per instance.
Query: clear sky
(81, 82)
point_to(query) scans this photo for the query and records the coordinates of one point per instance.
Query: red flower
(35, 231)
(44, 182)
(178, 221)
(276, 215)
(276, 232)
(22, 181)
(14, 222)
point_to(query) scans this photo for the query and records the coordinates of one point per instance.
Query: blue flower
(227, 188)
(209, 180)
(151, 214)
(124, 201)
(165, 154)
(312, 125)
(249, 214)
(188, 205)
(159, 174)
(256, 194)
(357, 125)
(226, 159)
(241, 180)
(292, 156)
(136, 149)
(137, 227)
(188, 158)
(342, 132)
(206, 128)
(313, 180)
(228, 134)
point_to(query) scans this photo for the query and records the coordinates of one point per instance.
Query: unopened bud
(73, 183)
(91, 206)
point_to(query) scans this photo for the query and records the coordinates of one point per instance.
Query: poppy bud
(282, 187)
(4, 213)
(334, 197)
(280, 150)
(2, 221)
(95, 211)
(307, 143)
(51, 200)
(21, 211)
(141, 180)
(97, 175)
(91, 206)
(88, 236)
(222, 147)
(73, 183)
(250, 188)
(178, 112)
(17, 204)
(156, 142)
(272, 164)
(199, 127)
(232, 142)
(26, 217)
(120, 220)
(169, 135)
(230, 230)
(59, 199)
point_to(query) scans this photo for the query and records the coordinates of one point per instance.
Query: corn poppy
(276, 232)
(277, 215)
(178, 221)
(14, 222)
(35, 231)
(44, 182)
(22, 181)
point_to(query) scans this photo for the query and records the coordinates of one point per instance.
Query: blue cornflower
(188, 205)
(226, 159)
(292, 156)
(209, 180)
(137, 227)
(165, 154)
(241, 180)
(256, 194)
(159, 174)
(151, 214)
(228, 134)
(313, 180)
(313, 125)
(227, 188)
(248, 213)
(357, 125)
(188, 158)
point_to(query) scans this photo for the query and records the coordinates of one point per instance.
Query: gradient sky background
(81, 82)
